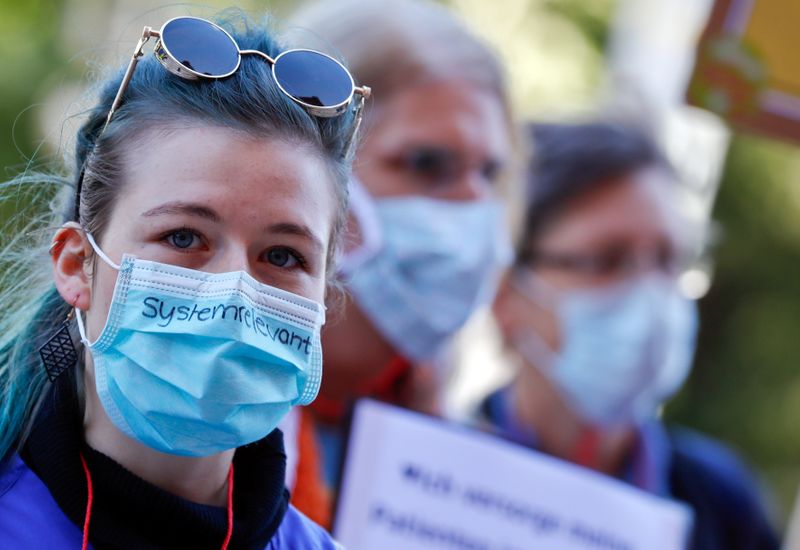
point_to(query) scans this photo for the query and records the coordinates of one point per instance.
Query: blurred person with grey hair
(427, 231)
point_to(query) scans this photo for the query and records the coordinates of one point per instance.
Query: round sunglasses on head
(194, 48)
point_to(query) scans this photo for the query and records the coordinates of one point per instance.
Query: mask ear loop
(81, 328)
(100, 253)
(533, 350)
(93, 243)
(534, 289)
(106, 259)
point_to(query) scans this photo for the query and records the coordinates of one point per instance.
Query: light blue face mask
(624, 350)
(193, 363)
(434, 263)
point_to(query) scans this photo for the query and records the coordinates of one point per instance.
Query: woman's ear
(69, 252)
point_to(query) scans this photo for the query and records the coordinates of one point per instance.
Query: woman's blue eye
(182, 238)
(282, 257)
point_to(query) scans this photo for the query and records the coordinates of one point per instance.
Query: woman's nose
(233, 258)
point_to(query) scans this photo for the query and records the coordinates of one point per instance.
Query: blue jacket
(44, 495)
(30, 518)
(681, 465)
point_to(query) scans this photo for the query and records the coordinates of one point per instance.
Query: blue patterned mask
(193, 363)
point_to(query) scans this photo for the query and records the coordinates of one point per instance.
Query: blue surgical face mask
(432, 265)
(193, 363)
(624, 350)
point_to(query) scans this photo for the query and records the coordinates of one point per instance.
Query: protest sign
(411, 481)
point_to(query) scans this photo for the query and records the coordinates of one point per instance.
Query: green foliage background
(29, 55)
(745, 387)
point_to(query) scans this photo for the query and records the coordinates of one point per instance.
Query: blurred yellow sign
(748, 67)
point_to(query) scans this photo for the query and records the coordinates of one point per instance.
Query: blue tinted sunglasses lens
(200, 46)
(313, 78)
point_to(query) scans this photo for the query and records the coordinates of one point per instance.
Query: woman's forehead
(242, 177)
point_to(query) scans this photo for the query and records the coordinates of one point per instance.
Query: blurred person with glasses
(593, 316)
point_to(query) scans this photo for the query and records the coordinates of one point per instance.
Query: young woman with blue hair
(196, 237)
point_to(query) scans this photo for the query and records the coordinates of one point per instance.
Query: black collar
(129, 512)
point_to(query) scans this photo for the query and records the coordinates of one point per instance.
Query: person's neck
(203, 480)
(560, 432)
(356, 354)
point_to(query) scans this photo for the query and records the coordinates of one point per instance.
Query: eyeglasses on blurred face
(612, 265)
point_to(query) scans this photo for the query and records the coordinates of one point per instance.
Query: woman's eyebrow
(192, 209)
(288, 228)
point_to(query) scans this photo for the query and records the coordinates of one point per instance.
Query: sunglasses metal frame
(171, 64)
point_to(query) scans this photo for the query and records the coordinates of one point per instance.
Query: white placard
(411, 481)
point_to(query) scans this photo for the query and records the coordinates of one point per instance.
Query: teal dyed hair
(248, 101)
